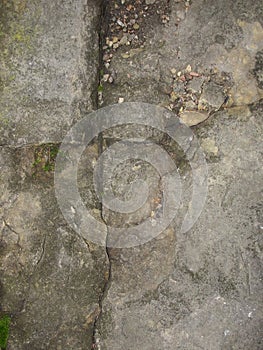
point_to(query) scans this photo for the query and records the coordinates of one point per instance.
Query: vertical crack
(95, 340)
(16, 233)
(43, 250)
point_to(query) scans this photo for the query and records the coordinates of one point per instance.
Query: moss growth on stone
(4, 331)
(45, 156)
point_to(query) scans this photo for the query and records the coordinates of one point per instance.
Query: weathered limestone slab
(51, 279)
(200, 289)
(49, 58)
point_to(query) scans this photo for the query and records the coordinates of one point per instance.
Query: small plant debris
(45, 156)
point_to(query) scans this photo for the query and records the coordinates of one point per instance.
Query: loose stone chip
(192, 118)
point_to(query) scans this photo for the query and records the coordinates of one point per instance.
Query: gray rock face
(200, 289)
(49, 60)
(192, 290)
(51, 278)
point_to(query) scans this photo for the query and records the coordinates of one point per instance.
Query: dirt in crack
(95, 338)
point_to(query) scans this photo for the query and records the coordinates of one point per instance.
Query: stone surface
(49, 61)
(192, 118)
(200, 289)
(226, 39)
(205, 287)
(192, 290)
(51, 279)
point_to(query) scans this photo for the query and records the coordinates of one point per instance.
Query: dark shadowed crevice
(101, 32)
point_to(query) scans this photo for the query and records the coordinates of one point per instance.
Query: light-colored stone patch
(192, 118)
(209, 146)
(240, 61)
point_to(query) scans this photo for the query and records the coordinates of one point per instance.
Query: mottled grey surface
(197, 290)
(212, 37)
(51, 279)
(201, 289)
(49, 76)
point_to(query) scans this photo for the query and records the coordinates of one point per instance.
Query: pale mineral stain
(240, 62)
(209, 146)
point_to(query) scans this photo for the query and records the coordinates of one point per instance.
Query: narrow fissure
(100, 147)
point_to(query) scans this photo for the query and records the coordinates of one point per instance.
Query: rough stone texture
(48, 63)
(201, 289)
(192, 118)
(51, 279)
(213, 39)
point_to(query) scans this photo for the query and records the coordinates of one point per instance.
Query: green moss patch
(4, 331)
(44, 158)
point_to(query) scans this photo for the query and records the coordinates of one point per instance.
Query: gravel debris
(193, 91)
(127, 22)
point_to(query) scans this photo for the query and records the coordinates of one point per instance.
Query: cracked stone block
(147, 77)
(51, 278)
(202, 288)
(49, 61)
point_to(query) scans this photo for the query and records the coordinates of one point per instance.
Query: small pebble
(124, 40)
(106, 57)
(194, 74)
(192, 118)
(173, 96)
(120, 23)
(106, 77)
(125, 55)
(182, 78)
(188, 69)
(121, 100)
